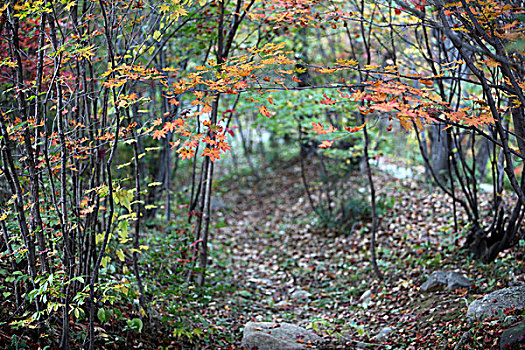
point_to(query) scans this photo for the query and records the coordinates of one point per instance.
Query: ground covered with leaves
(285, 268)
(273, 260)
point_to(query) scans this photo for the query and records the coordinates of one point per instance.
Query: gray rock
(283, 304)
(366, 297)
(496, 302)
(449, 280)
(300, 295)
(513, 337)
(383, 334)
(273, 336)
(217, 204)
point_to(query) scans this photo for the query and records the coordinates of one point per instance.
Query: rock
(283, 304)
(273, 336)
(217, 204)
(496, 302)
(383, 334)
(300, 295)
(513, 337)
(360, 345)
(449, 280)
(366, 297)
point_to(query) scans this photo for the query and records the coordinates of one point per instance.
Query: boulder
(497, 302)
(217, 204)
(448, 280)
(300, 295)
(383, 334)
(272, 336)
(513, 337)
(366, 297)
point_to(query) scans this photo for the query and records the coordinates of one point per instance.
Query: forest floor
(271, 260)
(271, 248)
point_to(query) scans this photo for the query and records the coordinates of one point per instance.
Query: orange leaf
(264, 111)
(158, 134)
(319, 129)
(186, 153)
(213, 153)
(354, 129)
(326, 144)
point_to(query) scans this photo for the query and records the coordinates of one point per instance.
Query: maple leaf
(157, 121)
(208, 141)
(326, 143)
(158, 134)
(327, 101)
(213, 153)
(354, 129)
(186, 153)
(358, 95)
(319, 129)
(385, 107)
(169, 127)
(224, 146)
(264, 111)
(174, 144)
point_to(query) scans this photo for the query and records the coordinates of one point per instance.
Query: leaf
(157, 35)
(103, 317)
(264, 111)
(159, 134)
(320, 130)
(355, 129)
(186, 153)
(213, 153)
(120, 255)
(326, 144)
(70, 5)
(135, 324)
(327, 101)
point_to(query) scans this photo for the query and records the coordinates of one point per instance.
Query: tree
(99, 97)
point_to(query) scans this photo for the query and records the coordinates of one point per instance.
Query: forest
(262, 174)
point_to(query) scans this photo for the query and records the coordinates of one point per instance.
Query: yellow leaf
(70, 5)
(164, 8)
(120, 255)
(157, 35)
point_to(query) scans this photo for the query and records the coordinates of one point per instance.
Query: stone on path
(497, 302)
(448, 280)
(383, 334)
(300, 295)
(273, 336)
(366, 297)
(513, 337)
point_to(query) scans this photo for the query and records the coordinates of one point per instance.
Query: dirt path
(285, 268)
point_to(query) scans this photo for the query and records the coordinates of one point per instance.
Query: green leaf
(135, 324)
(102, 315)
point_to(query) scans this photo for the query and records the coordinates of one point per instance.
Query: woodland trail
(275, 251)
